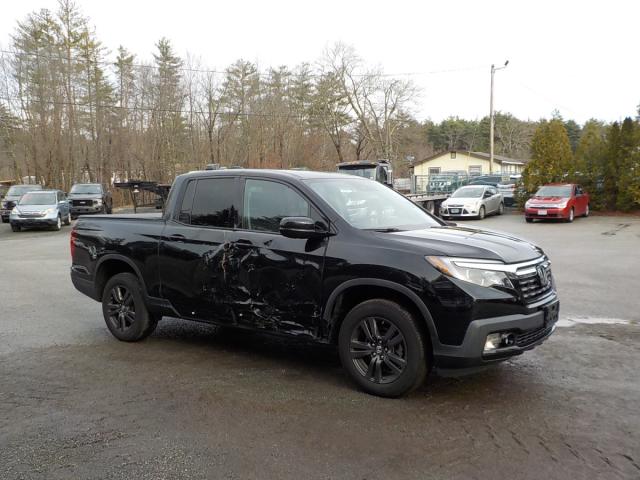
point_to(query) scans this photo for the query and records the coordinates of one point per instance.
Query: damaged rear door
(193, 248)
(277, 281)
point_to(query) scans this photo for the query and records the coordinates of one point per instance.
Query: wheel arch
(111, 265)
(353, 292)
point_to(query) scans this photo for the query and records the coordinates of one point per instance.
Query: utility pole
(491, 119)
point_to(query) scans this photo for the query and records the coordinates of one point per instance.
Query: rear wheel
(382, 348)
(124, 310)
(67, 219)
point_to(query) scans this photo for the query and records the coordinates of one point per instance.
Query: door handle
(176, 237)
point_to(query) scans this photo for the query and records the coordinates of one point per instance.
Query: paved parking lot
(193, 403)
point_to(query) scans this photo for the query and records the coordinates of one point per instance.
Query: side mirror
(301, 227)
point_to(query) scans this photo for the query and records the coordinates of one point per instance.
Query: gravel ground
(191, 402)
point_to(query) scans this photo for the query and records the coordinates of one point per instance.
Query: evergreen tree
(552, 159)
(591, 160)
(627, 165)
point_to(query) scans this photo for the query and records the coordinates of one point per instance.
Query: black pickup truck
(323, 257)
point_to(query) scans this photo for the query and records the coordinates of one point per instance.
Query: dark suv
(89, 198)
(322, 257)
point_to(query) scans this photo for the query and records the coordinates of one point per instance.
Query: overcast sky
(579, 57)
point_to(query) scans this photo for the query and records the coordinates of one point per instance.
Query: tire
(586, 212)
(501, 209)
(571, 216)
(482, 213)
(58, 224)
(16, 228)
(529, 220)
(67, 220)
(124, 310)
(363, 346)
(431, 207)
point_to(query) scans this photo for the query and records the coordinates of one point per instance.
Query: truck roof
(286, 174)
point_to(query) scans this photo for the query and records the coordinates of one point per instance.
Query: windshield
(554, 191)
(468, 192)
(92, 189)
(366, 172)
(38, 199)
(21, 190)
(370, 205)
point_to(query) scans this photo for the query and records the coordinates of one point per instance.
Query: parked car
(508, 189)
(90, 198)
(323, 257)
(492, 180)
(559, 201)
(41, 208)
(476, 201)
(13, 196)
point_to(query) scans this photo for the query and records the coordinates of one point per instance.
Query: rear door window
(213, 203)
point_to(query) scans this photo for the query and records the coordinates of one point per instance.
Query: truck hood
(34, 208)
(469, 243)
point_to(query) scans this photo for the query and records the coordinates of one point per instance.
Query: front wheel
(571, 216)
(529, 220)
(67, 219)
(481, 213)
(124, 309)
(15, 228)
(586, 212)
(382, 348)
(501, 209)
(58, 225)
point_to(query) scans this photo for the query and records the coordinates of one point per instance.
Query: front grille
(529, 337)
(31, 215)
(81, 203)
(536, 284)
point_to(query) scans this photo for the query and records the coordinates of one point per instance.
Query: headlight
(463, 269)
(49, 211)
(98, 202)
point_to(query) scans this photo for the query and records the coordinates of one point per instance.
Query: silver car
(43, 208)
(475, 201)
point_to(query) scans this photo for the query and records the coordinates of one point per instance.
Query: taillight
(72, 242)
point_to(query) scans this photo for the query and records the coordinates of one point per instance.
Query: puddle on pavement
(575, 320)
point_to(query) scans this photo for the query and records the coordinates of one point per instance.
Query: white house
(473, 163)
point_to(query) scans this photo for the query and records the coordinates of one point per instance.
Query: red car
(561, 201)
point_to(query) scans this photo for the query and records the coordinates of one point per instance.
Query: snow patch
(571, 321)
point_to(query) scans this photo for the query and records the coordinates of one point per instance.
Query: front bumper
(549, 213)
(86, 209)
(459, 212)
(34, 222)
(530, 330)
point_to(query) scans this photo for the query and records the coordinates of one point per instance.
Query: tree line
(605, 160)
(71, 111)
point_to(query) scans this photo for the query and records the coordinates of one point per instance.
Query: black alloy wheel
(383, 349)
(378, 350)
(124, 309)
